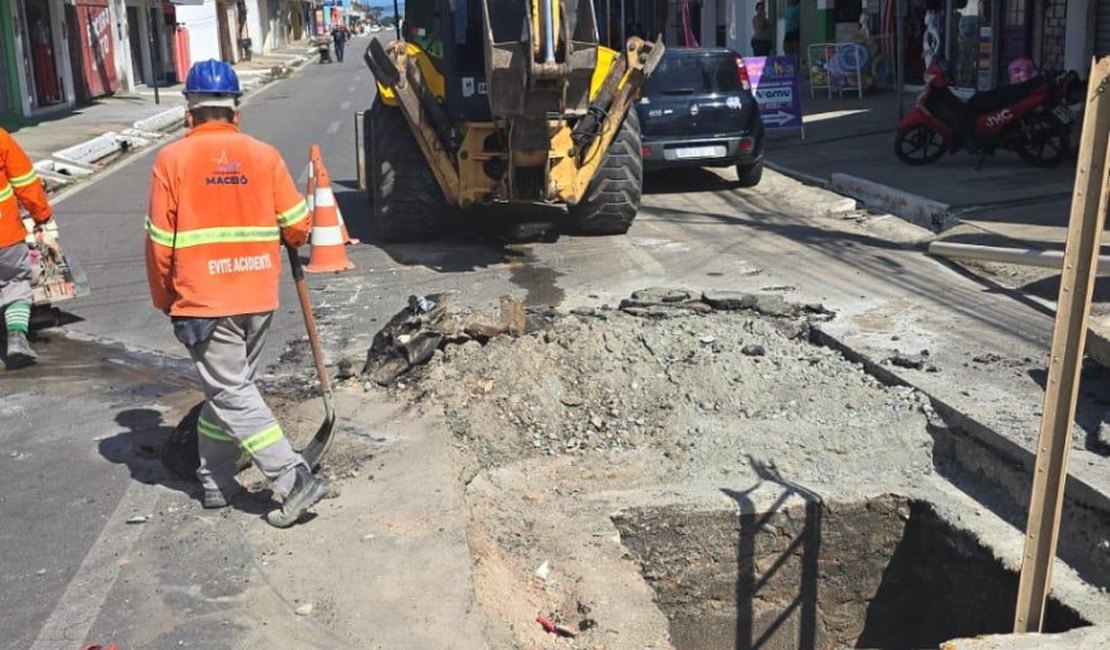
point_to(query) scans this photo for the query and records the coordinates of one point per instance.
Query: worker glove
(192, 331)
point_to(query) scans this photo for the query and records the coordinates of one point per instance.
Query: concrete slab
(1084, 638)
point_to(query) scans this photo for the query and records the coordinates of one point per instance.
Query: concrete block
(1084, 638)
(90, 151)
(917, 209)
(167, 119)
(52, 179)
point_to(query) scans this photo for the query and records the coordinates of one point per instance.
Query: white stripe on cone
(327, 236)
(324, 197)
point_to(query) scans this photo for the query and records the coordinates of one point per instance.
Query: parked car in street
(698, 110)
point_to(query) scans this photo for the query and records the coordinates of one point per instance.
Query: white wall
(117, 12)
(61, 53)
(258, 25)
(1078, 44)
(204, 30)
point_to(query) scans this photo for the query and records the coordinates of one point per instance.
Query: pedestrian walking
(339, 36)
(761, 31)
(19, 185)
(221, 204)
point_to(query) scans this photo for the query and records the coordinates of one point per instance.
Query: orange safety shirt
(19, 184)
(220, 204)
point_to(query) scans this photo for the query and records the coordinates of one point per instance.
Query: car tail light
(645, 150)
(742, 72)
(746, 144)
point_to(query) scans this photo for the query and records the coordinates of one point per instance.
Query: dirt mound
(609, 380)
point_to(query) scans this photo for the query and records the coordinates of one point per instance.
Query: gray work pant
(15, 274)
(235, 416)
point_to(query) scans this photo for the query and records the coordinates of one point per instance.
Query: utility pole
(154, 57)
(1090, 200)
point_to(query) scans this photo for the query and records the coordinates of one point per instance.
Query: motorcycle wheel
(919, 145)
(1043, 142)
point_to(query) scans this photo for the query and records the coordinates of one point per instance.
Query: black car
(698, 110)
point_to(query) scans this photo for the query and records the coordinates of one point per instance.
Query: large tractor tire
(613, 196)
(406, 201)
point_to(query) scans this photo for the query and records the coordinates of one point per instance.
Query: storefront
(153, 25)
(42, 55)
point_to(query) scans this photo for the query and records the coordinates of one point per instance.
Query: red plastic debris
(552, 628)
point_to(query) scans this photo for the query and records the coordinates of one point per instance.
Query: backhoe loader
(503, 101)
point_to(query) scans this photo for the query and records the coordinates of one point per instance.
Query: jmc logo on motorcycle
(999, 118)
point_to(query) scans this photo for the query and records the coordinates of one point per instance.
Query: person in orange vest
(19, 185)
(221, 204)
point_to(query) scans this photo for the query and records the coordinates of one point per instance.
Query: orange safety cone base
(333, 267)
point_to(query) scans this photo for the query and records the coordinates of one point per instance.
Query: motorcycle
(1032, 118)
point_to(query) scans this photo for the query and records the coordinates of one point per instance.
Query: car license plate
(1064, 114)
(686, 153)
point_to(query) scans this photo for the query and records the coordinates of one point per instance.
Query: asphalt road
(77, 433)
(63, 476)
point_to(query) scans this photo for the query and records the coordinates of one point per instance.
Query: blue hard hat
(212, 77)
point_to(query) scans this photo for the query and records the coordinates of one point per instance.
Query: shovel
(314, 452)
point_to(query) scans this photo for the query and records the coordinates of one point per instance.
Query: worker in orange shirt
(19, 184)
(221, 204)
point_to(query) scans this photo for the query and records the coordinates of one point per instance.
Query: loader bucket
(508, 47)
(520, 81)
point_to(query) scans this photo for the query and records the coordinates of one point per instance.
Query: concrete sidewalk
(80, 137)
(1006, 200)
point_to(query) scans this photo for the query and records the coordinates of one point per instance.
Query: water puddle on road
(539, 281)
(74, 368)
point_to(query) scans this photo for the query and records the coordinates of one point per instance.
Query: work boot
(307, 492)
(20, 353)
(215, 498)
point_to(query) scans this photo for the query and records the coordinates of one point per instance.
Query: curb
(803, 177)
(917, 209)
(162, 121)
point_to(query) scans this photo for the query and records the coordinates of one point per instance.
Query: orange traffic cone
(327, 236)
(316, 161)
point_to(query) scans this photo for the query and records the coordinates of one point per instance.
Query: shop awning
(186, 2)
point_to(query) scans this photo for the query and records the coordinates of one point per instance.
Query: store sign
(776, 89)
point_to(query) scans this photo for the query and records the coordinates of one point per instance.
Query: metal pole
(154, 56)
(397, 19)
(1090, 201)
(548, 18)
(900, 55)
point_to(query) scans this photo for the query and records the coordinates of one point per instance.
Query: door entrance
(41, 54)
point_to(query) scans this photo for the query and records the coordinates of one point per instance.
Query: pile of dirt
(669, 376)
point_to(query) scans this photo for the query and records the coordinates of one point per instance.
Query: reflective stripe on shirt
(293, 215)
(6, 192)
(202, 236)
(24, 180)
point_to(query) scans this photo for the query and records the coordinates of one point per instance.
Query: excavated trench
(887, 572)
(698, 422)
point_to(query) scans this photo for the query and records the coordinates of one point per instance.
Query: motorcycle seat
(993, 100)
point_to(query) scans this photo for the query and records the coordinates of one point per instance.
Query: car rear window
(698, 73)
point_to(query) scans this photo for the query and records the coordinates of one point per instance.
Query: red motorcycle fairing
(994, 122)
(921, 115)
